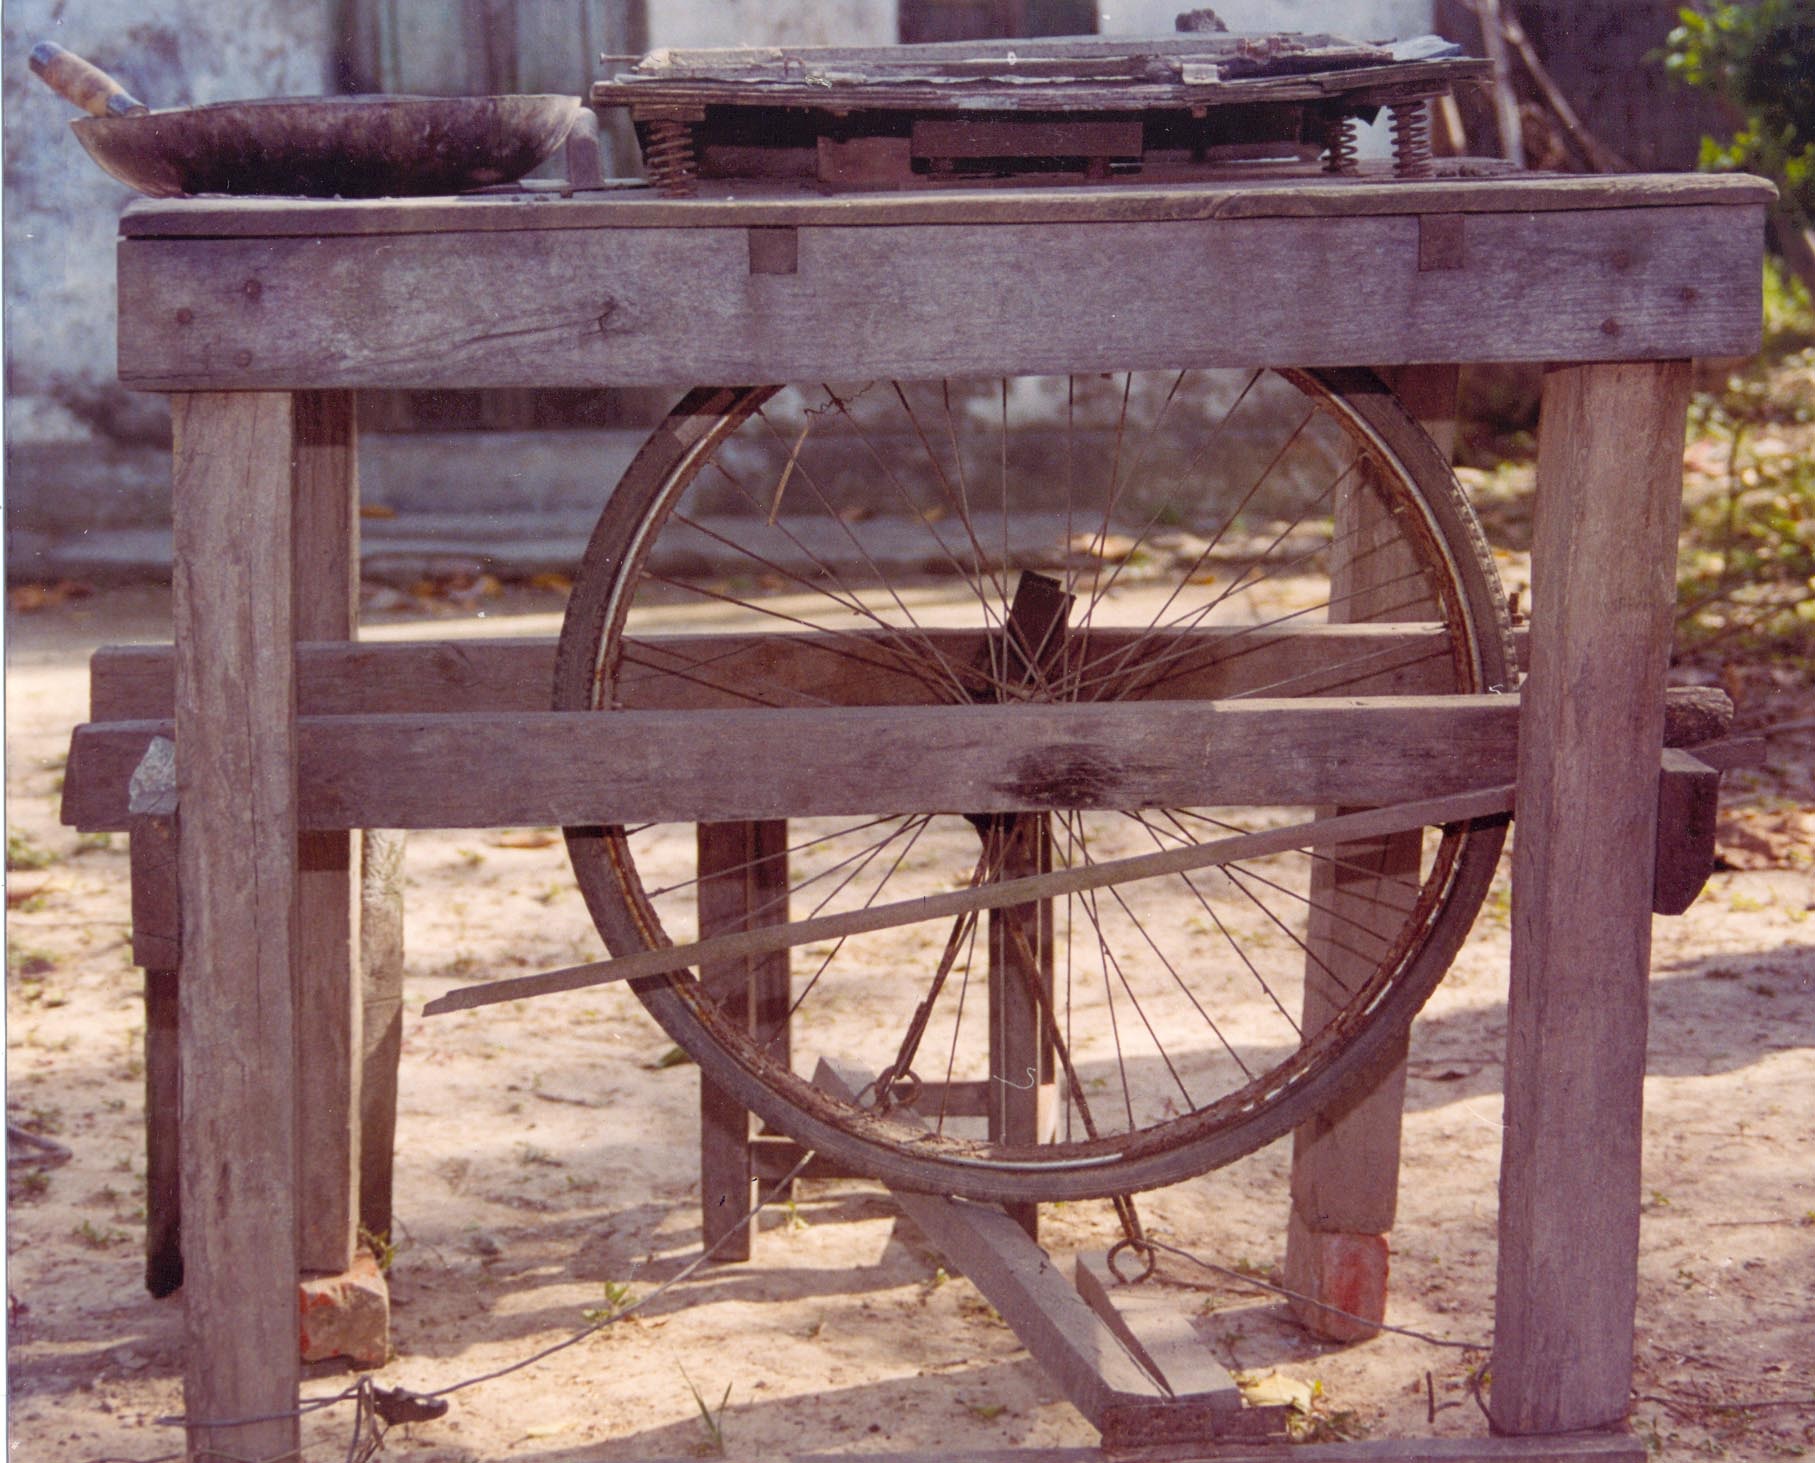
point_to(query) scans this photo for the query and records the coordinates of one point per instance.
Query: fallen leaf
(1759, 838)
(27, 598)
(1278, 1390)
(527, 838)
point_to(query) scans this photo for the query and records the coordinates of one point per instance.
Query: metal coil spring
(1339, 140)
(669, 158)
(1412, 140)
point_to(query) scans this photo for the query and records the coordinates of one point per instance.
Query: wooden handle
(82, 82)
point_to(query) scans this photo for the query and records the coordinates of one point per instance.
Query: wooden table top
(765, 203)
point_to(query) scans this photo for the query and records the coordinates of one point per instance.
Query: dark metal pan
(312, 147)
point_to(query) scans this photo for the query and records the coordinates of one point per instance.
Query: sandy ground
(545, 1169)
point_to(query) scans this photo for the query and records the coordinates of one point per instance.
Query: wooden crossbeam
(851, 667)
(515, 769)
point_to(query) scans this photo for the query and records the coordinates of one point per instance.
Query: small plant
(33, 1183)
(381, 1246)
(618, 1299)
(95, 1237)
(712, 1421)
(93, 843)
(1759, 59)
(22, 853)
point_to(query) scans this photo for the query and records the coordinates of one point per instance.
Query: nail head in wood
(774, 251)
(1439, 241)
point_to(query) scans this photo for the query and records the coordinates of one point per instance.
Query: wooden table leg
(157, 950)
(743, 883)
(1591, 725)
(1021, 1059)
(1345, 1163)
(380, 1021)
(325, 606)
(236, 777)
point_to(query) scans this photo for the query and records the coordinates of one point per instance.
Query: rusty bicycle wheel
(1145, 538)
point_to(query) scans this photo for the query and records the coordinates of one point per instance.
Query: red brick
(1347, 1271)
(347, 1314)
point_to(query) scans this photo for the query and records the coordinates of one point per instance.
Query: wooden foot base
(1107, 1360)
(1344, 1277)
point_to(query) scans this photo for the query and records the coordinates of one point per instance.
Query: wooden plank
(1477, 803)
(991, 137)
(1603, 557)
(1157, 1333)
(1081, 1355)
(1557, 1448)
(324, 497)
(1200, 86)
(1688, 804)
(1560, 1448)
(237, 789)
(468, 309)
(1323, 196)
(955, 58)
(136, 682)
(552, 767)
(416, 771)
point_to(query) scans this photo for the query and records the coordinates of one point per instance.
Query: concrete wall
(1362, 20)
(76, 444)
(683, 23)
(87, 471)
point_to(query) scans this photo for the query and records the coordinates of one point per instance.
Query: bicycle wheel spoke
(1085, 538)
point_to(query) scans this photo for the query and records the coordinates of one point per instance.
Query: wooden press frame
(260, 317)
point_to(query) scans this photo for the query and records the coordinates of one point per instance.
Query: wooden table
(260, 317)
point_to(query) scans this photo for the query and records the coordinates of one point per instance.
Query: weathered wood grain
(1155, 1326)
(753, 206)
(381, 1021)
(324, 498)
(136, 683)
(650, 306)
(1080, 1355)
(1591, 730)
(743, 884)
(157, 947)
(394, 770)
(1558, 1448)
(532, 768)
(237, 789)
(1688, 806)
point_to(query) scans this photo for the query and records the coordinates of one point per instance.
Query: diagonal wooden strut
(1460, 807)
